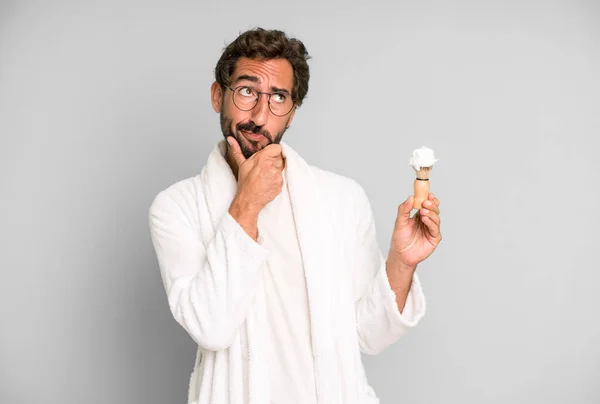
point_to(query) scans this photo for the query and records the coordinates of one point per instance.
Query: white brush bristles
(423, 173)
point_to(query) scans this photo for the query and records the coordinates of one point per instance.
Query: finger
(432, 227)
(431, 215)
(236, 151)
(404, 211)
(429, 204)
(272, 150)
(431, 197)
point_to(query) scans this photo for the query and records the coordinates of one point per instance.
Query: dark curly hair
(264, 44)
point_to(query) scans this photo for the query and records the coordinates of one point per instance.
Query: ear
(216, 96)
(291, 118)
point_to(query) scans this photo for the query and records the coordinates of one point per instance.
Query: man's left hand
(415, 238)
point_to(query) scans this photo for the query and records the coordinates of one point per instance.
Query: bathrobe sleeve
(209, 287)
(379, 322)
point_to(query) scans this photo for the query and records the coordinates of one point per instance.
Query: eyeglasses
(245, 98)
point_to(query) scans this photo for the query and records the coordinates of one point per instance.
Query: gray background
(104, 104)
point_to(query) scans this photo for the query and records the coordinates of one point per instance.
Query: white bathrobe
(212, 273)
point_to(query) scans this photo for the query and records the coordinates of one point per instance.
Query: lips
(252, 136)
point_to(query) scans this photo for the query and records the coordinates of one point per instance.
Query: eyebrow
(254, 79)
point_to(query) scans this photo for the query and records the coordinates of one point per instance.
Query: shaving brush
(422, 161)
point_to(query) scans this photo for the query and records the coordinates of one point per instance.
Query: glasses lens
(245, 98)
(281, 104)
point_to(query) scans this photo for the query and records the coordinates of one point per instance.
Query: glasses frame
(233, 90)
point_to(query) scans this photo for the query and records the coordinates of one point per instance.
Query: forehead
(270, 73)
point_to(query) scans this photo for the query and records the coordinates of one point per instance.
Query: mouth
(252, 136)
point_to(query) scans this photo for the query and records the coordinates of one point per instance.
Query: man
(272, 265)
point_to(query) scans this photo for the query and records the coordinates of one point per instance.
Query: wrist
(396, 265)
(246, 217)
(400, 277)
(241, 208)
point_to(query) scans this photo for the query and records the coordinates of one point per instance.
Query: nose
(260, 113)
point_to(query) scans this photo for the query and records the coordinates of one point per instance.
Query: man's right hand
(259, 177)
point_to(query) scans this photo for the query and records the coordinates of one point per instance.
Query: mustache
(253, 128)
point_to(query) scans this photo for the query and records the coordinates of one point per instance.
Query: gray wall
(103, 104)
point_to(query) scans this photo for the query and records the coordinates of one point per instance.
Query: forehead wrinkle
(265, 72)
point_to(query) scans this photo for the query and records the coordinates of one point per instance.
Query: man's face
(257, 128)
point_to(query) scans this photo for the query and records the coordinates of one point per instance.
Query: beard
(248, 147)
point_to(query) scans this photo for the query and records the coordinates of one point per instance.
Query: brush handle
(421, 193)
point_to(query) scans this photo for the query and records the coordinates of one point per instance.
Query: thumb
(236, 151)
(404, 211)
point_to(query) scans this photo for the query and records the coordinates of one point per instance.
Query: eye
(246, 91)
(279, 98)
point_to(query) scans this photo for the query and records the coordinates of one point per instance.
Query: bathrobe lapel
(316, 239)
(317, 246)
